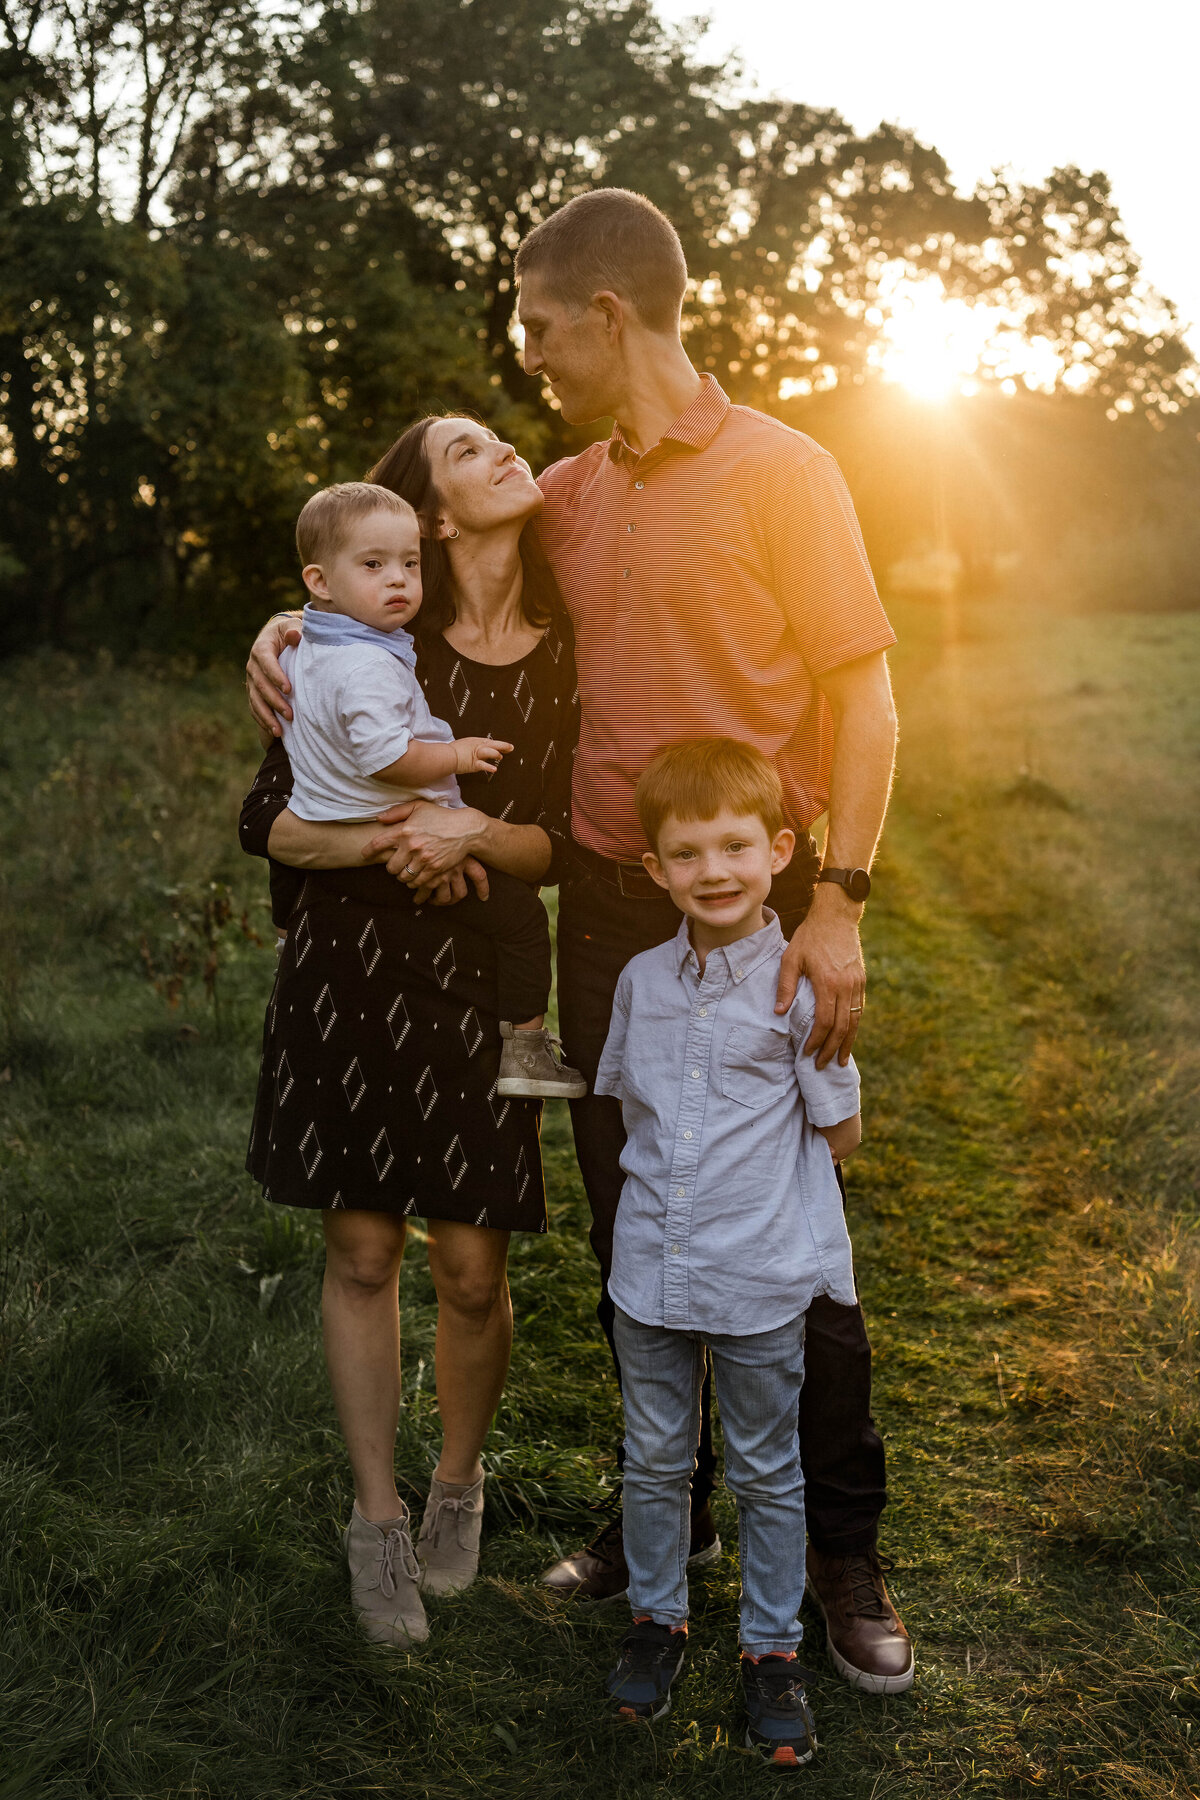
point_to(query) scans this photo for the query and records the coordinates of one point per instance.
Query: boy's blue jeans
(758, 1381)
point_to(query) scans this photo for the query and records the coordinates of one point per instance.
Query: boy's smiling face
(719, 872)
(374, 575)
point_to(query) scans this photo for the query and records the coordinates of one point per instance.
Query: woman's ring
(406, 870)
(856, 1009)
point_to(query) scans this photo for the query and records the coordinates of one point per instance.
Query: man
(717, 582)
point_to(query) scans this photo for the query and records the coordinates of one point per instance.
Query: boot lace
(397, 1544)
(863, 1573)
(607, 1544)
(455, 1505)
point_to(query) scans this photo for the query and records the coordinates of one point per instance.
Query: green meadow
(1025, 1219)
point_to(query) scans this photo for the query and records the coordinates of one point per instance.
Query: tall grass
(1025, 1223)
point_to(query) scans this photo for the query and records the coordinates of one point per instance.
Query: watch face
(858, 884)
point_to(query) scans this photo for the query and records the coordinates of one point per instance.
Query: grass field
(1025, 1218)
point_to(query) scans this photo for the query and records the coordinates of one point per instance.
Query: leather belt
(629, 879)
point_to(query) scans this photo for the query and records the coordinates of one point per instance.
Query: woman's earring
(452, 531)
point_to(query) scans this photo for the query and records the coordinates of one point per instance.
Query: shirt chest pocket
(756, 1065)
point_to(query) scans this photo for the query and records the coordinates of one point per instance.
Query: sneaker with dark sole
(651, 1657)
(532, 1068)
(781, 1728)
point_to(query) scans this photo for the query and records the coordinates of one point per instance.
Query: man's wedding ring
(406, 870)
(856, 1009)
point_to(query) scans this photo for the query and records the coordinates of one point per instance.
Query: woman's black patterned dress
(381, 1050)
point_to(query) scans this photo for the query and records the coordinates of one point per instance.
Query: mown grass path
(1025, 1226)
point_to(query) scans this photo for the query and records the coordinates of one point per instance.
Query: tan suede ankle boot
(448, 1546)
(384, 1581)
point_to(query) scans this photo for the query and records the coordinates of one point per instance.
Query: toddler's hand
(479, 756)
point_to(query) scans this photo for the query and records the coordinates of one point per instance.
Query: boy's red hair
(700, 777)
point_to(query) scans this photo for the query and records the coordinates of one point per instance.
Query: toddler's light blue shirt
(731, 1218)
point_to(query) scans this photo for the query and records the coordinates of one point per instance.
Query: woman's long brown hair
(407, 471)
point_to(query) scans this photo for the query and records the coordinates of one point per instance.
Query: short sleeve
(830, 1094)
(612, 1058)
(819, 564)
(377, 705)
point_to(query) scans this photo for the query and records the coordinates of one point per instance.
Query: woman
(377, 1095)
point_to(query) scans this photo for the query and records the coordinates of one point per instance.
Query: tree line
(243, 242)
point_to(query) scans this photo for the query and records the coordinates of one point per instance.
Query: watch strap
(849, 879)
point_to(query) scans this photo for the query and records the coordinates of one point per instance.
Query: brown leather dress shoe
(600, 1573)
(866, 1641)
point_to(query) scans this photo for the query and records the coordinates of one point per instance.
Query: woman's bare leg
(474, 1339)
(361, 1325)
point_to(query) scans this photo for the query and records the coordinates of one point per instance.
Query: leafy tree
(1057, 253)
(808, 222)
(242, 244)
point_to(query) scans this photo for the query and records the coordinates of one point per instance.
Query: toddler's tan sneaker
(384, 1581)
(448, 1545)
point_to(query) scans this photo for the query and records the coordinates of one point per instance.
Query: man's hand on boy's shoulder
(826, 948)
(266, 683)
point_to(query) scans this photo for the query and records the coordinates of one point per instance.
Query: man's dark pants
(600, 927)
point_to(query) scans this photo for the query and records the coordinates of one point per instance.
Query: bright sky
(1034, 84)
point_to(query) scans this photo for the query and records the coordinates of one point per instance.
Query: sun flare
(929, 344)
(937, 346)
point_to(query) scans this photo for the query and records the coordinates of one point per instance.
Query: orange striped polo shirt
(710, 581)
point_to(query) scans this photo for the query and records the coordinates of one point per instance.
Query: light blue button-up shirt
(731, 1218)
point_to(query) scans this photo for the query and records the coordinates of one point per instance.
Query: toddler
(362, 738)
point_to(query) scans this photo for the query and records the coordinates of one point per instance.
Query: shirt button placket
(685, 1161)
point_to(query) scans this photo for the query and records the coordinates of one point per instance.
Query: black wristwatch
(856, 882)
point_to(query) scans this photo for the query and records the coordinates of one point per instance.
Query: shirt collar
(694, 429)
(742, 958)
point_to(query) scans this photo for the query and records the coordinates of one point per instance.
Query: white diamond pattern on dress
(460, 690)
(472, 1030)
(381, 1154)
(302, 938)
(426, 1092)
(553, 642)
(325, 1012)
(522, 1175)
(310, 1150)
(285, 1081)
(368, 945)
(455, 1161)
(353, 1084)
(550, 758)
(399, 1023)
(499, 1107)
(482, 1219)
(444, 964)
(523, 695)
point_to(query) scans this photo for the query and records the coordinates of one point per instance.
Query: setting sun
(936, 346)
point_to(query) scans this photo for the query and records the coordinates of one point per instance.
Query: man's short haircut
(322, 526)
(610, 239)
(702, 777)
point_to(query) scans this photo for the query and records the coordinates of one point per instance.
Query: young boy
(363, 737)
(730, 1223)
